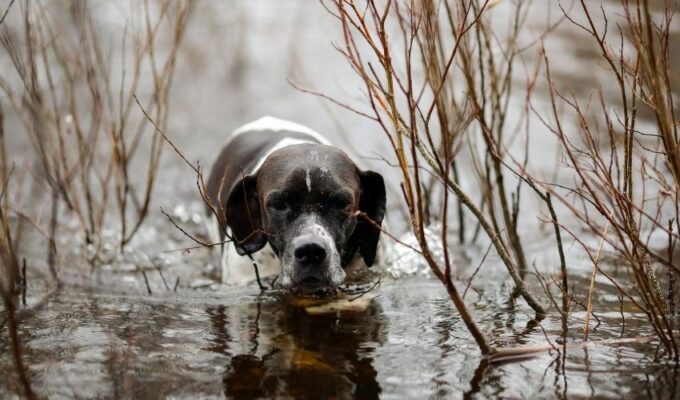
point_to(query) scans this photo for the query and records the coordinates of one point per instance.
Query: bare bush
(10, 273)
(625, 154)
(436, 89)
(438, 77)
(98, 158)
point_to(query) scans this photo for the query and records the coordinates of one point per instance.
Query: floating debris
(331, 305)
(341, 305)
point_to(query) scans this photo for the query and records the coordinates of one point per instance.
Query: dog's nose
(310, 252)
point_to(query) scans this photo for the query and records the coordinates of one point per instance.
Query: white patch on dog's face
(312, 228)
(308, 181)
(314, 156)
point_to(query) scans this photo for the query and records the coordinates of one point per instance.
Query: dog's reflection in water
(277, 349)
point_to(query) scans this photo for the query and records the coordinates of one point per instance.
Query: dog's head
(315, 208)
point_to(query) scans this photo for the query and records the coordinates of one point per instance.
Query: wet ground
(105, 334)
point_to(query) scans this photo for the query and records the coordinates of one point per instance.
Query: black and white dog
(281, 185)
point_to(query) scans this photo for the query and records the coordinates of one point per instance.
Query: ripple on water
(407, 343)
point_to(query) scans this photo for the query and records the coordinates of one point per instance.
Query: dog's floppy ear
(372, 205)
(244, 217)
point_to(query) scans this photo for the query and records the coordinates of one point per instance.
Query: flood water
(408, 343)
(103, 335)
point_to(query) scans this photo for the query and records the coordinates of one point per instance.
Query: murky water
(104, 336)
(408, 343)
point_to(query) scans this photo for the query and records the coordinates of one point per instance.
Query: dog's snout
(310, 252)
(313, 261)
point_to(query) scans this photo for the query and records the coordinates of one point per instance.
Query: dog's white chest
(237, 269)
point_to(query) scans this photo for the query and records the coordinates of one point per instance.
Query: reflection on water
(278, 349)
(409, 343)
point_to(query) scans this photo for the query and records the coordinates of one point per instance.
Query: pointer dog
(282, 186)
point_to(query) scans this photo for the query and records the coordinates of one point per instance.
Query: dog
(296, 204)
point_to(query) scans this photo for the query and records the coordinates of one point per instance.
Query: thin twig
(146, 281)
(479, 267)
(4, 15)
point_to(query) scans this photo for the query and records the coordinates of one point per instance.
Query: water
(104, 335)
(408, 343)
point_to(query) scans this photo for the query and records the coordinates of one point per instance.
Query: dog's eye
(278, 205)
(339, 202)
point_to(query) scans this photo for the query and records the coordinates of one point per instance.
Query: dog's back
(248, 146)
